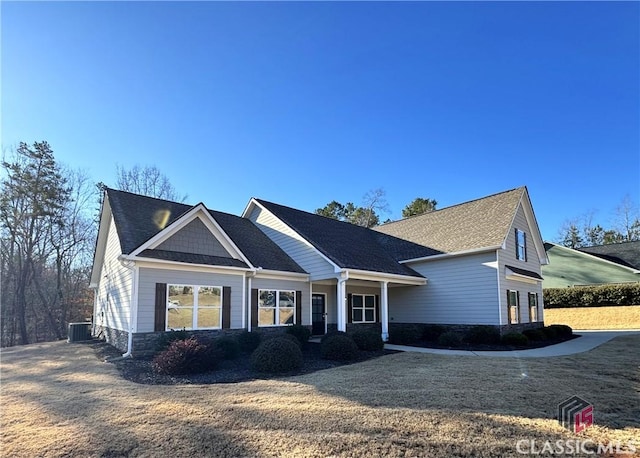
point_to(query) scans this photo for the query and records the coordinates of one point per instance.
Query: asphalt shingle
(139, 218)
(350, 246)
(480, 223)
(625, 253)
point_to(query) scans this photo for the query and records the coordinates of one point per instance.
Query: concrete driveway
(587, 341)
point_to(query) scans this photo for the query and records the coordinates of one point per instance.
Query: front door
(318, 314)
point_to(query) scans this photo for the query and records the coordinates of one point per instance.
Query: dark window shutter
(378, 309)
(254, 308)
(298, 307)
(160, 321)
(525, 246)
(518, 307)
(226, 307)
(349, 309)
(516, 231)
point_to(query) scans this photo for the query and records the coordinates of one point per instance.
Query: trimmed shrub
(188, 356)
(302, 333)
(339, 347)
(276, 355)
(450, 339)
(516, 339)
(249, 341)
(171, 336)
(432, 332)
(535, 335)
(368, 340)
(228, 345)
(592, 296)
(482, 335)
(562, 330)
(332, 333)
(406, 334)
(550, 333)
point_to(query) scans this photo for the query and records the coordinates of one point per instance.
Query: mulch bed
(139, 370)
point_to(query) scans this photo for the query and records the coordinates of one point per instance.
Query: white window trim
(195, 307)
(363, 308)
(276, 308)
(523, 246)
(533, 307)
(517, 306)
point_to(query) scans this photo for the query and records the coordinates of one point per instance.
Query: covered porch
(355, 298)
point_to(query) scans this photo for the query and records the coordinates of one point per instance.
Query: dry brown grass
(60, 400)
(627, 317)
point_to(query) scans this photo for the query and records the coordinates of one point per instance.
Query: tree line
(48, 230)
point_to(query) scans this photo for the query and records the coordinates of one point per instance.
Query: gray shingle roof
(350, 246)
(480, 223)
(526, 273)
(625, 253)
(137, 219)
(192, 258)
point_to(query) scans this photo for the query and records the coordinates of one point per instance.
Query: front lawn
(60, 399)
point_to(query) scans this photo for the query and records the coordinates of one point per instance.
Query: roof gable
(347, 245)
(478, 224)
(142, 222)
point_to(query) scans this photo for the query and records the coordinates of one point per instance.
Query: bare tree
(627, 219)
(148, 181)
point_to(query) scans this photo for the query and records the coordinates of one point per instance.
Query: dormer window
(521, 245)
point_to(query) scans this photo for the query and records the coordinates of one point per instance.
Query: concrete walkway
(587, 341)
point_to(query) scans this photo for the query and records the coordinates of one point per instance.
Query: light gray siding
(330, 291)
(148, 278)
(460, 290)
(113, 304)
(195, 238)
(288, 285)
(507, 257)
(292, 244)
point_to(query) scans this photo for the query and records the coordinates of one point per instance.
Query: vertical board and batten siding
(113, 307)
(195, 237)
(288, 285)
(460, 290)
(292, 244)
(148, 277)
(507, 257)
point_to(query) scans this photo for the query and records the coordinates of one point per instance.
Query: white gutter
(451, 255)
(133, 316)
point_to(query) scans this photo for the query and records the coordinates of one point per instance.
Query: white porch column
(384, 310)
(341, 305)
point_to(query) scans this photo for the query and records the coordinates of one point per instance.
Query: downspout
(250, 275)
(131, 265)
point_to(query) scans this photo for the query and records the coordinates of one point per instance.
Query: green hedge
(592, 296)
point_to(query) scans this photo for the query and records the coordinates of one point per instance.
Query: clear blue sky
(304, 103)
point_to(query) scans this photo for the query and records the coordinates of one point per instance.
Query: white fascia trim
(174, 265)
(452, 255)
(281, 275)
(596, 258)
(300, 237)
(101, 243)
(354, 274)
(533, 225)
(185, 219)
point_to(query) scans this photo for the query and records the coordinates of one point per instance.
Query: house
(163, 265)
(597, 265)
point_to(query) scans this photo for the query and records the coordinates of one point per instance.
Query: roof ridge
(453, 206)
(107, 188)
(608, 244)
(309, 213)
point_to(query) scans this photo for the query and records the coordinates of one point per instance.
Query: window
(276, 308)
(521, 245)
(363, 308)
(513, 305)
(194, 307)
(533, 307)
